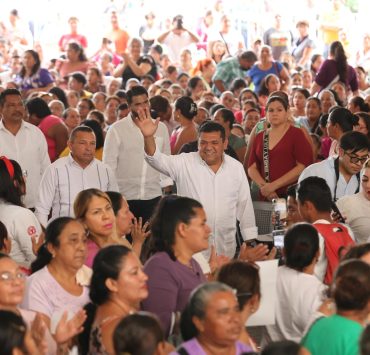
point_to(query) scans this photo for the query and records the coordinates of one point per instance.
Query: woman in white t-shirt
(21, 224)
(299, 292)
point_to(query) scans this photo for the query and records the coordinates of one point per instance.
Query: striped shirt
(64, 179)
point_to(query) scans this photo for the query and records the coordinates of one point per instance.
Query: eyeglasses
(8, 276)
(355, 159)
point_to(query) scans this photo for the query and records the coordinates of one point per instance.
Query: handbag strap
(266, 164)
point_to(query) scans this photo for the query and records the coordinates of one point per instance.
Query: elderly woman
(32, 77)
(53, 287)
(179, 230)
(356, 208)
(211, 323)
(266, 65)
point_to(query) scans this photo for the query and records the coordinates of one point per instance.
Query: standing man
(232, 68)
(123, 151)
(209, 176)
(23, 142)
(67, 176)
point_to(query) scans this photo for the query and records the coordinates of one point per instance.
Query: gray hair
(200, 296)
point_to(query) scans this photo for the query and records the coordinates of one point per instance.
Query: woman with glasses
(299, 292)
(356, 208)
(244, 278)
(212, 322)
(22, 225)
(12, 288)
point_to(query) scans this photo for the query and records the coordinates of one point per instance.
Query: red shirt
(293, 147)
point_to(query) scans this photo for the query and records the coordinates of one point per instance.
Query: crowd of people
(129, 186)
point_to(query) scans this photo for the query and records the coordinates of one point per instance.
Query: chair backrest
(263, 214)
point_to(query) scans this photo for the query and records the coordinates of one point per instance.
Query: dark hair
(107, 264)
(365, 341)
(343, 117)
(192, 83)
(60, 94)
(97, 114)
(89, 102)
(96, 128)
(353, 141)
(135, 91)
(303, 91)
(8, 92)
(249, 56)
(187, 107)
(337, 51)
(38, 107)
(360, 103)
(77, 129)
(313, 60)
(366, 117)
(159, 103)
(351, 286)
(35, 67)
(52, 234)
(263, 90)
(211, 126)
(243, 277)
(11, 187)
(278, 99)
(284, 347)
(3, 236)
(249, 91)
(315, 190)
(292, 191)
(121, 94)
(282, 94)
(170, 211)
(238, 84)
(357, 251)
(138, 334)
(12, 332)
(227, 116)
(116, 199)
(181, 75)
(77, 48)
(79, 76)
(301, 244)
(215, 108)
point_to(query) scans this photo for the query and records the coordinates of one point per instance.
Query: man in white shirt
(342, 173)
(22, 142)
(138, 182)
(211, 177)
(67, 176)
(314, 205)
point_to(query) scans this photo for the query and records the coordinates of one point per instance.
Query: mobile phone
(335, 209)
(278, 238)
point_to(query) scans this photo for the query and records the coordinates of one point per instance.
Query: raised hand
(37, 343)
(259, 253)
(139, 231)
(144, 121)
(67, 329)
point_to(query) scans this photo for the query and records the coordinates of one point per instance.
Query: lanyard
(336, 169)
(266, 164)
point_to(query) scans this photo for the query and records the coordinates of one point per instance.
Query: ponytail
(337, 51)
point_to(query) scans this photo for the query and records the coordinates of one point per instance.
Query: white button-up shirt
(325, 169)
(124, 153)
(29, 148)
(224, 195)
(64, 179)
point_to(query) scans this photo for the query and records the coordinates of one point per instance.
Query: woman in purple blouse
(179, 230)
(335, 69)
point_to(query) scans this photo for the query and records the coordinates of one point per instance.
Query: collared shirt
(224, 195)
(124, 153)
(29, 148)
(325, 169)
(64, 179)
(228, 70)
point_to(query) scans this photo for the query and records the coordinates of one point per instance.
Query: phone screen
(278, 237)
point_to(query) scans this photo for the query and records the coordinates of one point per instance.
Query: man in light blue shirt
(342, 173)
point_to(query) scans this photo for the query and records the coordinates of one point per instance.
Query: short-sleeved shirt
(257, 74)
(332, 336)
(40, 79)
(170, 284)
(293, 147)
(328, 72)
